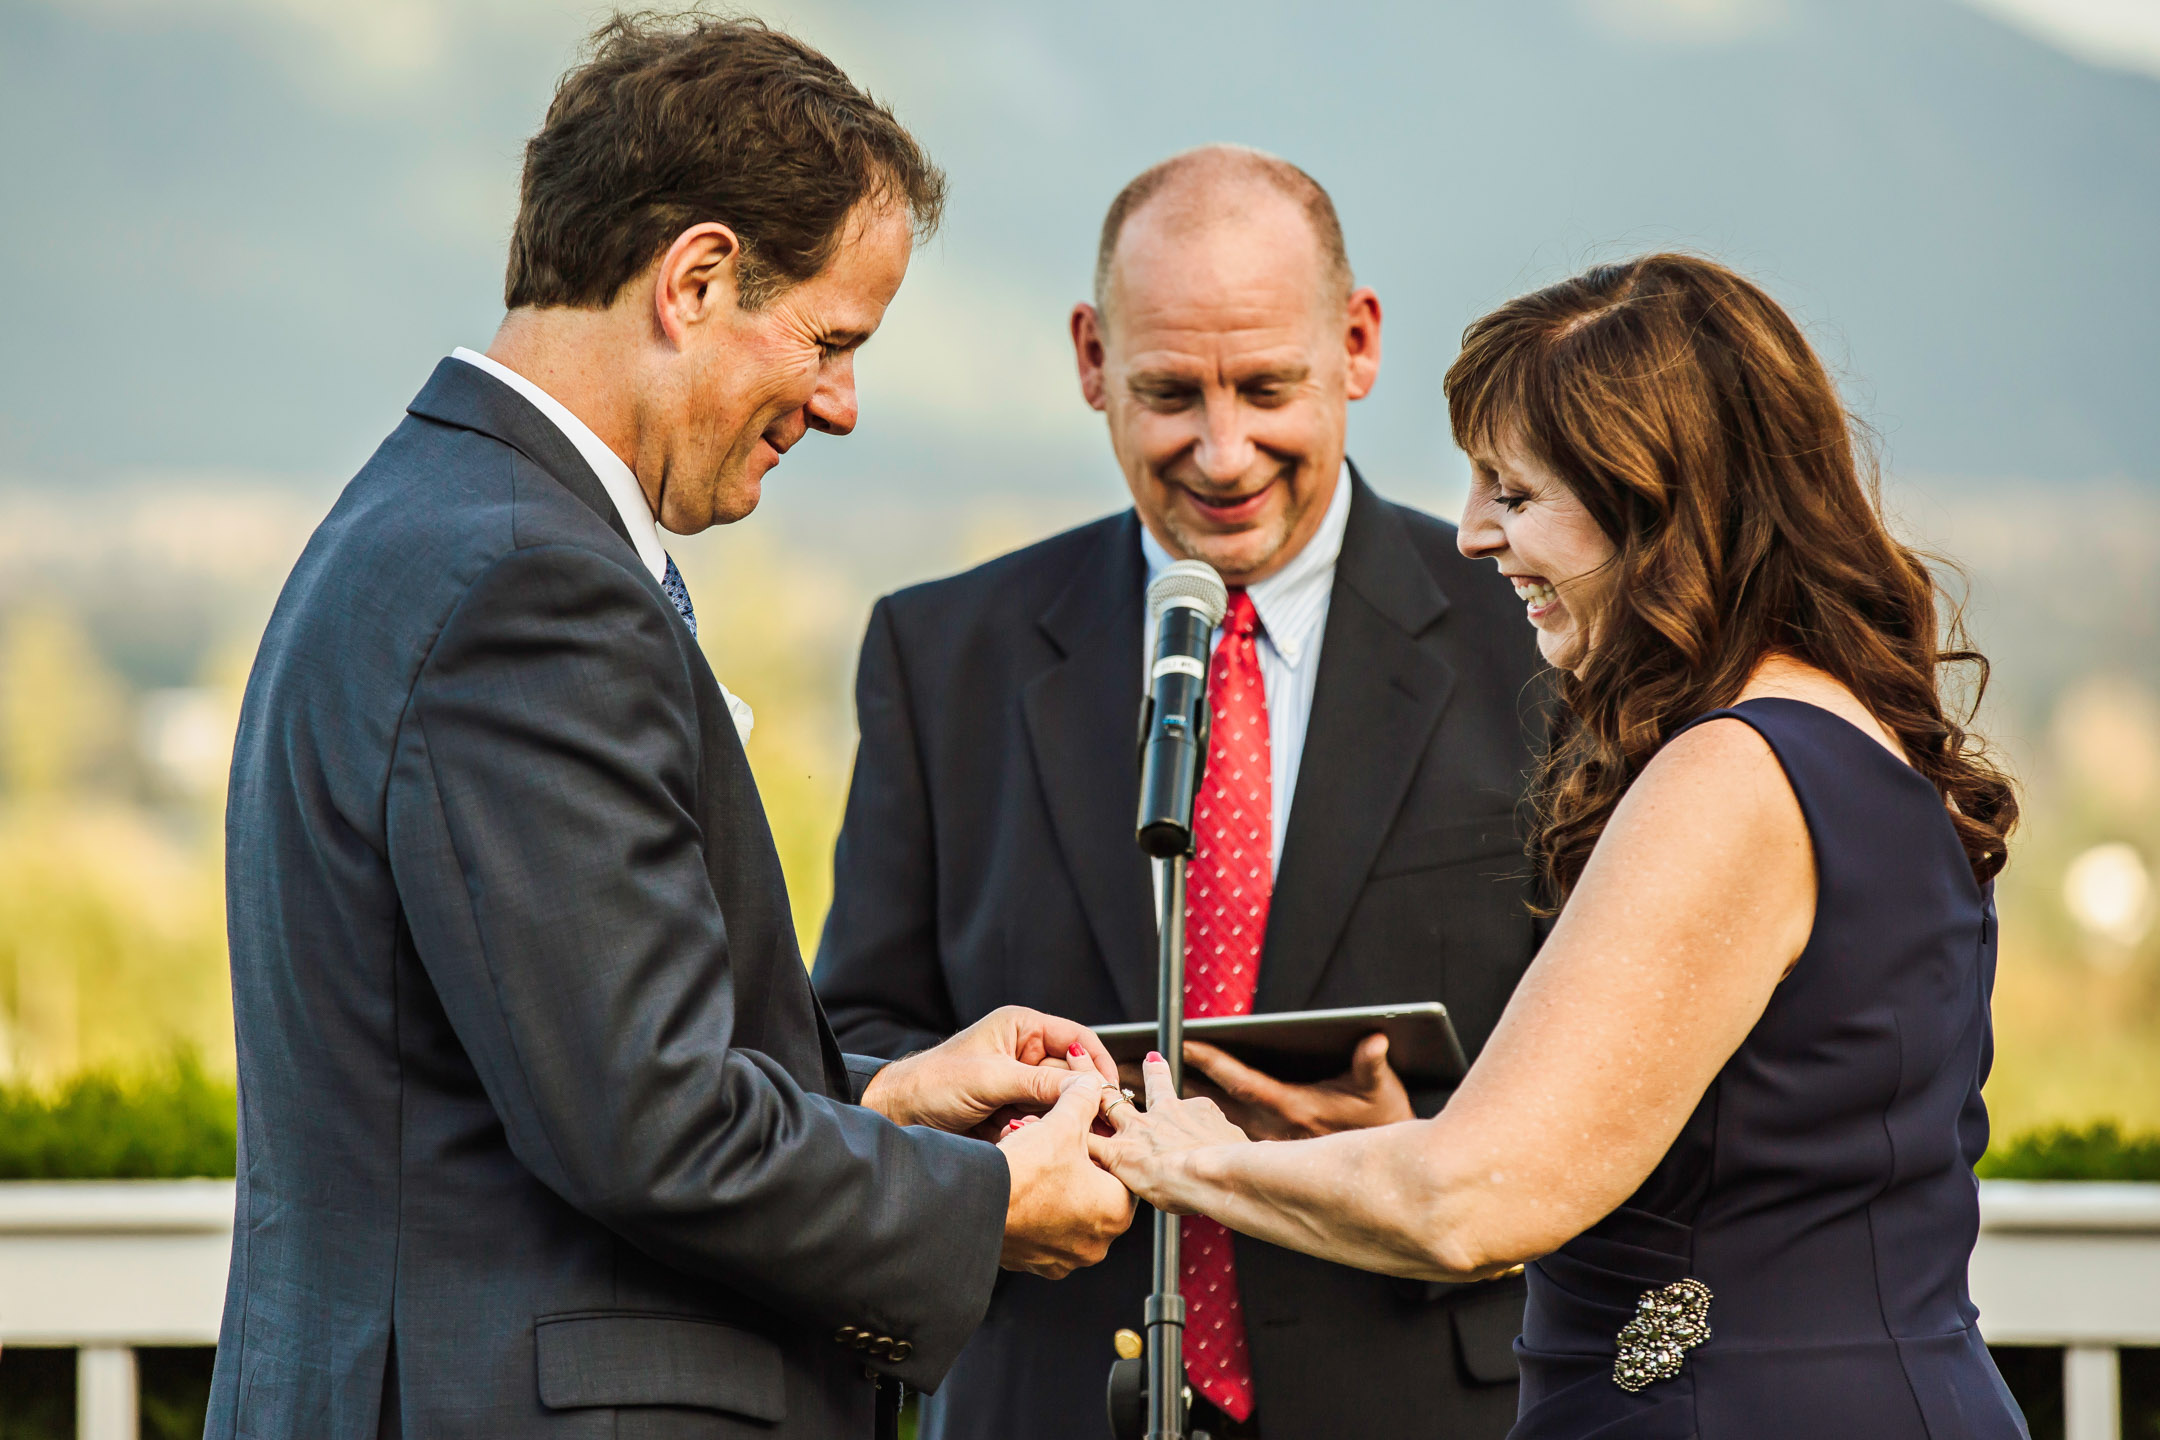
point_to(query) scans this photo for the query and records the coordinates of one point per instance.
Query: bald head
(1224, 346)
(1216, 185)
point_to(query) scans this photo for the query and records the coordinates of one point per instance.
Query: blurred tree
(61, 710)
(111, 920)
(781, 629)
(2077, 1013)
(112, 943)
(2106, 740)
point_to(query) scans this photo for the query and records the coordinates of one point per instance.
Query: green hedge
(2095, 1152)
(178, 1121)
(168, 1124)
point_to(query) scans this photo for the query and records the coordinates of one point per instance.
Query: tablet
(1302, 1046)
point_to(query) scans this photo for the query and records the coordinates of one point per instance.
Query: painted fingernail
(1076, 1049)
(1156, 1056)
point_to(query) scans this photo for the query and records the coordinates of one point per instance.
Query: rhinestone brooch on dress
(1667, 1324)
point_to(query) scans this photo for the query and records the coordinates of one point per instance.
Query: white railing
(2075, 1265)
(105, 1266)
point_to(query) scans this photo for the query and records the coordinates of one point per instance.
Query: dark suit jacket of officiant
(542, 1131)
(987, 858)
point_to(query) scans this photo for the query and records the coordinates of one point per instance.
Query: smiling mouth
(1228, 508)
(1539, 596)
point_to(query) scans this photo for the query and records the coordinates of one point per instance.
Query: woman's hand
(1151, 1150)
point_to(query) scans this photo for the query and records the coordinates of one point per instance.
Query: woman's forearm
(1385, 1199)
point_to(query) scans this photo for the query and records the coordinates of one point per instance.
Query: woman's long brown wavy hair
(1695, 423)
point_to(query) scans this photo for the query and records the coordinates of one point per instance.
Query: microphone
(1187, 601)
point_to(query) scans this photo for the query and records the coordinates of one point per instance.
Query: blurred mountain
(238, 233)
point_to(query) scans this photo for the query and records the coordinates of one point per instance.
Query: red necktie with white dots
(1226, 908)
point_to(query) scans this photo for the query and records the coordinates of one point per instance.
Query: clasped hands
(1046, 1090)
(1063, 1210)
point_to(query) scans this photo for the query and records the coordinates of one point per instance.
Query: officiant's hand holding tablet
(1293, 1074)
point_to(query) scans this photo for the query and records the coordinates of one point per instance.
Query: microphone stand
(1166, 1305)
(1148, 1394)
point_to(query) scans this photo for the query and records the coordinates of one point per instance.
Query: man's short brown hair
(673, 121)
(1205, 172)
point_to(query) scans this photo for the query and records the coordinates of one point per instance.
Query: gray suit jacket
(542, 1131)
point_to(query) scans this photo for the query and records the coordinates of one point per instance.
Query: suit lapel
(1083, 724)
(1379, 693)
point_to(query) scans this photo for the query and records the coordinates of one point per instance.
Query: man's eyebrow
(1282, 372)
(1157, 379)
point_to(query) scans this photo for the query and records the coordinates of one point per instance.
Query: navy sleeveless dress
(1816, 1214)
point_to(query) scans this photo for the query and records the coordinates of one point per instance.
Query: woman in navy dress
(1730, 1117)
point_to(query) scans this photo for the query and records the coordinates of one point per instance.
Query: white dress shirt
(1292, 605)
(615, 477)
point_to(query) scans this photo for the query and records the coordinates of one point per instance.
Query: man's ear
(1361, 339)
(1088, 353)
(696, 280)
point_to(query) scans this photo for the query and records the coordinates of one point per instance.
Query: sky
(2118, 34)
(240, 232)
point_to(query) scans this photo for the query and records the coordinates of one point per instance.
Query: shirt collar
(615, 477)
(1286, 600)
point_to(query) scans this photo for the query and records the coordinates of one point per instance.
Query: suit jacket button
(901, 1349)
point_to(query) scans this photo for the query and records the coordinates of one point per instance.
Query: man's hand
(988, 1073)
(1368, 1093)
(1065, 1209)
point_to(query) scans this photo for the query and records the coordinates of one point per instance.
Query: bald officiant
(1383, 686)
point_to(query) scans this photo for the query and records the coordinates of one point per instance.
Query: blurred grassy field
(114, 734)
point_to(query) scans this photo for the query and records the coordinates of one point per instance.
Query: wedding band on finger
(1122, 1097)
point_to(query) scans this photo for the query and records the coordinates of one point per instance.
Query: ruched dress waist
(1863, 1383)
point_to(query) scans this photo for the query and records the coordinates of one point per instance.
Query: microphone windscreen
(1193, 583)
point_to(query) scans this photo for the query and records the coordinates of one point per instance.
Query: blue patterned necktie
(672, 584)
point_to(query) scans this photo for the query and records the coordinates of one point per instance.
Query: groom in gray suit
(542, 1130)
